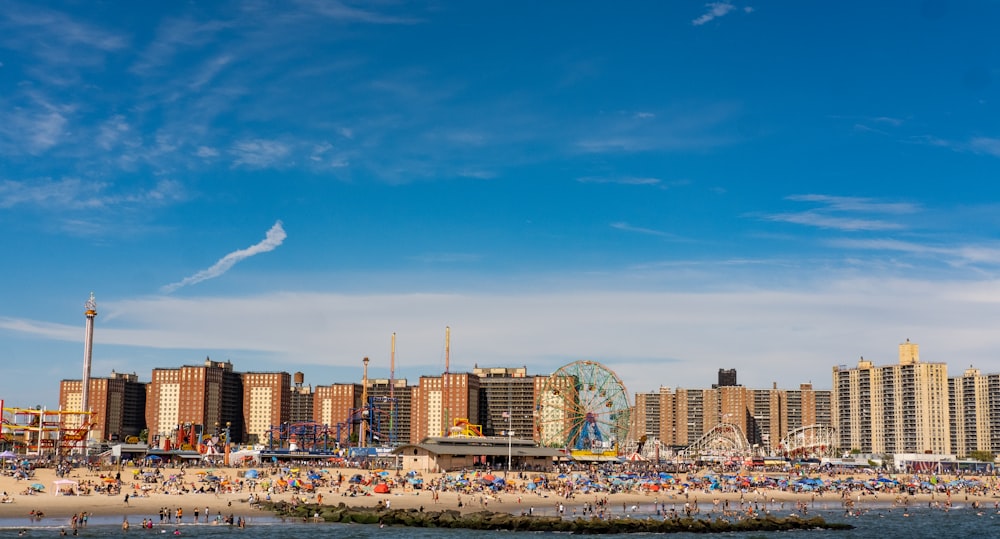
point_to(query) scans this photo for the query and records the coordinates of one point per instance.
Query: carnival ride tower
(88, 354)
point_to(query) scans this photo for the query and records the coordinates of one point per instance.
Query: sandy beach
(147, 499)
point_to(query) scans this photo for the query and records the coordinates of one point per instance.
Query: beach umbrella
(37, 487)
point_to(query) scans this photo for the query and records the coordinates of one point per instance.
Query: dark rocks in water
(489, 520)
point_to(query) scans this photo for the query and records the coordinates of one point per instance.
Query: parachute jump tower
(90, 313)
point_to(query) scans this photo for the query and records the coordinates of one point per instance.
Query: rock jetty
(489, 520)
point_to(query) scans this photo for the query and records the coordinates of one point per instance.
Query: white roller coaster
(809, 441)
(724, 438)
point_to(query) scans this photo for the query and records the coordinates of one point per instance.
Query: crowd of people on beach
(568, 490)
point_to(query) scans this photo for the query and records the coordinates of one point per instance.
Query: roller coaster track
(724, 437)
(810, 440)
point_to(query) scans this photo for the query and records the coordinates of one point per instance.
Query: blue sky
(668, 188)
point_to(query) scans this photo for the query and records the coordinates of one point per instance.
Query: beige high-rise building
(901, 408)
(969, 407)
(266, 403)
(554, 416)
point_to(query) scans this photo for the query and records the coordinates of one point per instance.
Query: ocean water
(873, 523)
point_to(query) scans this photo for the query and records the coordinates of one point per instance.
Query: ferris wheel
(584, 407)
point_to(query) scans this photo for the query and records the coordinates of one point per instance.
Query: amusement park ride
(584, 407)
(41, 431)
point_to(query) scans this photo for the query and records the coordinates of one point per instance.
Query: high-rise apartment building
(646, 418)
(300, 403)
(439, 400)
(901, 408)
(199, 396)
(335, 406)
(392, 403)
(507, 401)
(266, 403)
(117, 404)
(969, 406)
(555, 413)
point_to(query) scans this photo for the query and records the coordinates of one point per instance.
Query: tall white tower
(88, 354)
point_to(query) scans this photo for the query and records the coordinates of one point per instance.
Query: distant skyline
(666, 188)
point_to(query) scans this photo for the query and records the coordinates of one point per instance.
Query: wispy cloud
(831, 213)
(622, 180)
(78, 194)
(858, 204)
(110, 133)
(820, 220)
(692, 127)
(969, 254)
(206, 152)
(175, 35)
(339, 11)
(259, 153)
(985, 145)
(447, 258)
(978, 145)
(715, 10)
(275, 236)
(623, 226)
(54, 26)
(34, 124)
(54, 36)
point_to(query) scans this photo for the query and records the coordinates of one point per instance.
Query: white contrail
(271, 241)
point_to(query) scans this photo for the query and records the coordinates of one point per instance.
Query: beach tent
(64, 484)
(381, 488)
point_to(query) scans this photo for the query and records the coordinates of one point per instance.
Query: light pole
(364, 405)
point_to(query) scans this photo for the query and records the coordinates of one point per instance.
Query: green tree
(983, 456)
